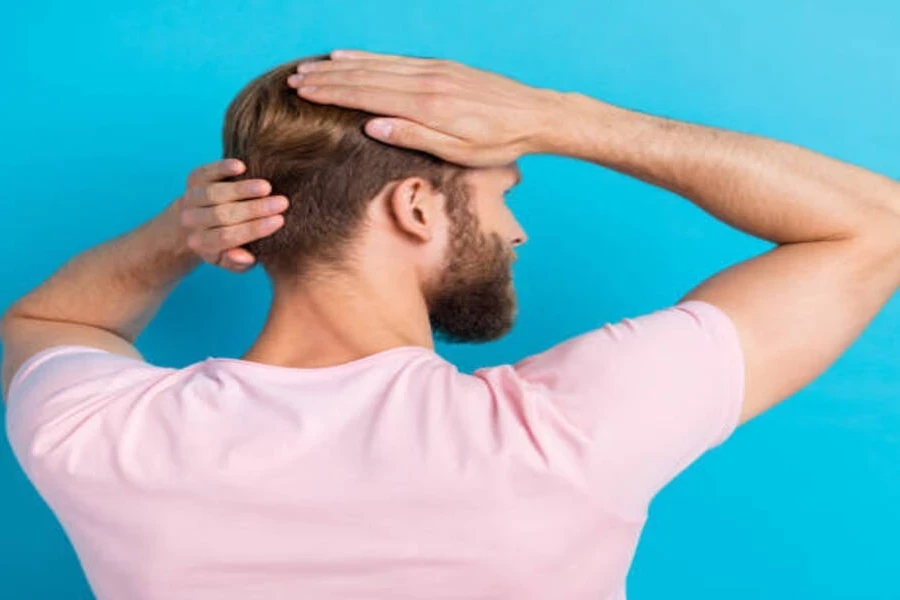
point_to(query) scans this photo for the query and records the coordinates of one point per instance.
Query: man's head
(357, 204)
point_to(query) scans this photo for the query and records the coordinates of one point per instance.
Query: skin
(419, 270)
(796, 308)
(410, 279)
(836, 225)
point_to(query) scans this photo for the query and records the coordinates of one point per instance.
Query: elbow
(4, 325)
(882, 230)
(875, 227)
(13, 312)
(879, 243)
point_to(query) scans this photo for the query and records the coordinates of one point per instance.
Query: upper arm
(798, 307)
(72, 392)
(640, 398)
(23, 337)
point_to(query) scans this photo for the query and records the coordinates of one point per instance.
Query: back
(393, 476)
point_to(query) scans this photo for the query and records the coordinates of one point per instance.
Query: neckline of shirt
(253, 365)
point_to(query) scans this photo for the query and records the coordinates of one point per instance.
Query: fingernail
(295, 79)
(308, 88)
(381, 128)
(277, 203)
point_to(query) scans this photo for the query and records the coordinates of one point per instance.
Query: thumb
(400, 132)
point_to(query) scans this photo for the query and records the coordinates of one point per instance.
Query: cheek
(493, 216)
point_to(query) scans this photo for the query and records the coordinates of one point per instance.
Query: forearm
(118, 285)
(773, 190)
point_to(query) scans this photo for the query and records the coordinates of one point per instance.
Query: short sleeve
(59, 401)
(651, 393)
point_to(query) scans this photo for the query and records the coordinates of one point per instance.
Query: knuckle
(193, 242)
(188, 198)
(433, 102)
(220, 213)
(242, 188)
(248, 187)
(208, 194)
(228, 237)
(258, 208)
(194, 177)
(186, 218)
(432, 82)
(262, 227)
(356, 75)
(341, 94)
(321, 91)
(246, 211)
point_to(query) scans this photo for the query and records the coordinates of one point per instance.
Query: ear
(417, 207)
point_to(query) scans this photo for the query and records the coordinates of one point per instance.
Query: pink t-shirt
(391, 477)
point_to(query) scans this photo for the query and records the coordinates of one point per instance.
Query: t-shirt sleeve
(650, 393)
(60, 405)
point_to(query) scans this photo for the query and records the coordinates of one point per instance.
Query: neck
(342, 318)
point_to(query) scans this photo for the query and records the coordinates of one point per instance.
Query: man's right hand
(461, 114)
(219, 215)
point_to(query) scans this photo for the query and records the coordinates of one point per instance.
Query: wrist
(549, 107)
(576, 125)
(173, 235)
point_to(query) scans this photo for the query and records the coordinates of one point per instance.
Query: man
(341, 457)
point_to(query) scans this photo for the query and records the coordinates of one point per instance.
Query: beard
(472, 299)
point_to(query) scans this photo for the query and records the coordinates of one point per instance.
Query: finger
(397, 82)
(225, 191)
(208, 243)
(228, 261)
(410, 105)
(371, 64)
(399, 132)
(232, 213)
(363, 55)
(240, 256)
(215, 171)
(359, 54)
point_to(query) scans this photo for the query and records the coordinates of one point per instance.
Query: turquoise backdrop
(106, 106)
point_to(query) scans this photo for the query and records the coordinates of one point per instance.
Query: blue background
(108, 105)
